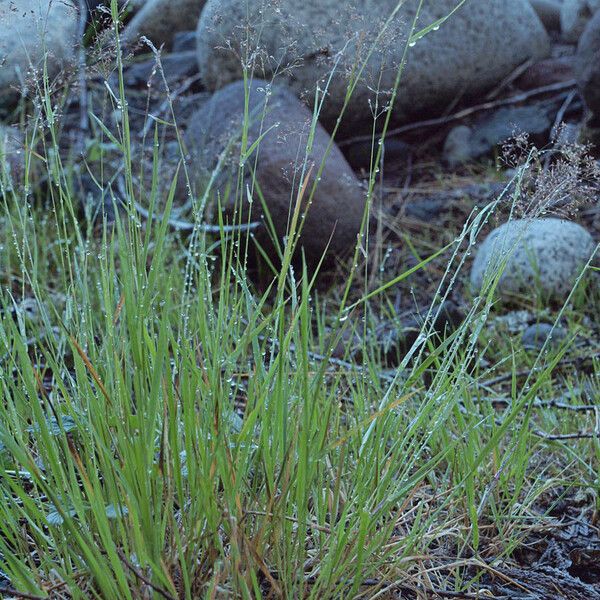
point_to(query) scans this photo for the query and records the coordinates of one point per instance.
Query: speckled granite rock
(481, 43)
(543, 256)
(33, 32)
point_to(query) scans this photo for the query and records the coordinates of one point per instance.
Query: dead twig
(164, 593)
(577, 360)
(418, 589)
(165, 105)
(181, 225)
(6, 591)
(580, 435)
(546, 89)
(541, 404)
(514, 75)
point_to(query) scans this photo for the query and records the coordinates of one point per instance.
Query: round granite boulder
(543, 256)
(34, 32)
(305, 42)
(280, 126)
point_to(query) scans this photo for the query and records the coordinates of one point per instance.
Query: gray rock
(338, 203)
(574, 16)
(360, 154)
(160, 20)
(184, 41)
(458, 147)
(177, 67)
(547, 72)
(444, 206)
(465, 144)
(536, 335)
(396, 339)
(549, 13)
(544, 256)
(93, 4)
(31, 32)
(587, 66)
(305, 40)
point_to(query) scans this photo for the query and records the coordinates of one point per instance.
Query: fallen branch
(181, 225)
(577, 361)
(580, 435)
(143, 578)
(546, 89)
(6, 591)
(554, 403)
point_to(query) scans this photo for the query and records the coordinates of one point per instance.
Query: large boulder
(281, 163)
(587, 67)
(160, 20)
(34, 32)
(474, 49)
(542, 256)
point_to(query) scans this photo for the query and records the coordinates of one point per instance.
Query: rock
(395, 338)
(360, 154)
(160, 20)
(131, 5)
(445, 319)
(458, 147)
(338, 203)
(184, 41)
(549, 13)
(93, 4)
(465, 144)
(448, 205)
(544, 255)
(31, 31)
(536, 335)
(304, 41)
(12, 158)
(511, 322)
(177, 67)
(574, 16)
(547, 72)
(587, 67)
